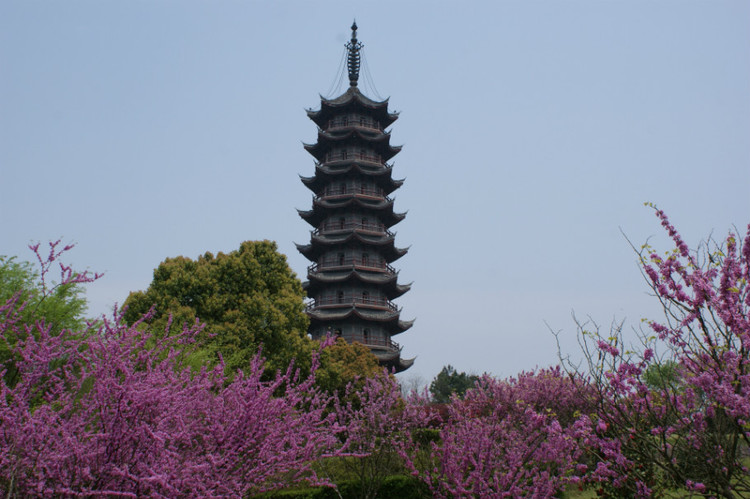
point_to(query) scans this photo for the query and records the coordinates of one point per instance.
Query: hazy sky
(533, 132)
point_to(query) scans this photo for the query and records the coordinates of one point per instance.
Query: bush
(393, 487)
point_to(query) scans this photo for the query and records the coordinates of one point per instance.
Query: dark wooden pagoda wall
(342, 304)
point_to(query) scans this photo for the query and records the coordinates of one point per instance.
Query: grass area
(399, 486)
(574, 493)
(394, 487)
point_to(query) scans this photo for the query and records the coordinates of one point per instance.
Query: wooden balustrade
(352, 299)
(356, 191)
(371, 228)
(357, 123)
(350, 262)
(345, 155)
(371, 341)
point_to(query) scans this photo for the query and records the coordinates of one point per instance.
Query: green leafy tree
(54, 304)
(448, 382)
(662, 375)
(61, 306)
(342, 363)
(247, 298)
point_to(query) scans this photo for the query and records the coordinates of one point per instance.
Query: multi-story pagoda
(351, 282)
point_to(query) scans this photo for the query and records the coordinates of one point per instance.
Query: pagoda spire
(353, 59)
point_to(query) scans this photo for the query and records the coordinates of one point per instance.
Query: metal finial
(353, 60)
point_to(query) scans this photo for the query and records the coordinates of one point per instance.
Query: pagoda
(351, 283)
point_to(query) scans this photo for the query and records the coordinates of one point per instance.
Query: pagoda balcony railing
(367, 228)
(364, 192)
(344, 156)
(345, 299)
(359, 123)
(371, 341)
(349, 263)
(320, 164)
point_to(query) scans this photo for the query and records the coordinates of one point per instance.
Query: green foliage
(424, 437)
(247, 298)
(448, 382)
(662, 375)
(58, 306)
(342, 363)
(394, 487)
(301, 493)
(403, 487)
(62, 306)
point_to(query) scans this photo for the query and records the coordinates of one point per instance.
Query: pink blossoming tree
(377, 424)
(518, 437)
(114, 413)
(676, 412)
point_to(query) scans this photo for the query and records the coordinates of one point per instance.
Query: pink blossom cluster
(115, 413)
(519, 437)
(691, 429)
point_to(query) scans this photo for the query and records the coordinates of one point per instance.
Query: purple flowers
(115, 412)
(681, 419)
(112, 409)
(509, 438)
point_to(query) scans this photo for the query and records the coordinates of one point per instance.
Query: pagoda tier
(323, 245)
(326, 175)
(389, 321)
(333, 112)
(351, 283)
(387, 282)
(353, 144)
(332, 203)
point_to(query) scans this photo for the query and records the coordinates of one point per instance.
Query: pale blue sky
(533, 132)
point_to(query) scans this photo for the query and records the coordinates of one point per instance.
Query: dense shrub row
(393, 487)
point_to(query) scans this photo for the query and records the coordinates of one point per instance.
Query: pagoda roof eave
(389, 319)
(305, 214)
(330, 240)
(386, 355)
(393, 360)
(355, 133)
(368, 278)
(383, 316)
(323, 209)
(379, 204)
(403, 326)
(388, 281)
(313, 251)
(354, 94)
(323, 173)
(305, 249)
(404, 364)
(353, 97)
(381, 144)
(319, 244)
